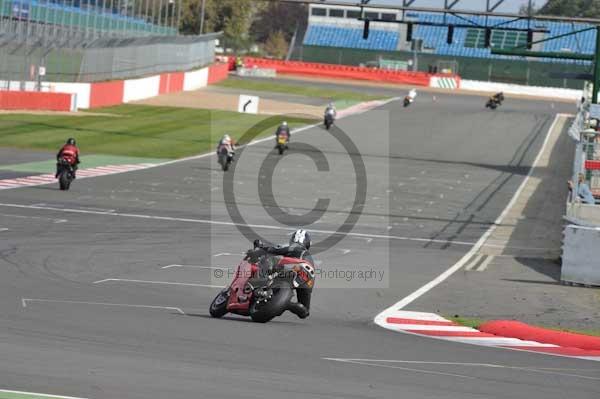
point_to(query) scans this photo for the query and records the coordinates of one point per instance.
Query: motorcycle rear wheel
(63, 181)
(264, 312)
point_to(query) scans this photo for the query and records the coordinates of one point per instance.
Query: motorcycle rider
(70, 153)
(297, 248)
(497, 98)
(411, 95)
(229, 143)
(330, 110)
(283, 129)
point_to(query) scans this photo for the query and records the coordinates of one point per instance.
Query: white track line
(25, 300)
(472, 264)
(540, 370)
(254, 226)
(380, 318)
(485, 263)
(125, 280)
(197, 267)
(40, 395)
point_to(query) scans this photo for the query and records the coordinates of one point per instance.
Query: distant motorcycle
(281, 143)
(263, 298)
(495, 101)
(410, 98)
(225, 157)
(329, 118)
(66, 174)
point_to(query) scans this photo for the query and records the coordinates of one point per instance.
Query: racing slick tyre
(264, 312)
(218, 307)
(63, 181)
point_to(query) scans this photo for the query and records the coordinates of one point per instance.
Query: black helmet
(301, 237)
(71, 141)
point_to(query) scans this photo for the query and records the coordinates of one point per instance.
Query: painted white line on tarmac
(485, 263)
(125, 280)
(38, 395)
(197, 267)
(380, 318)
(24, 302)
(254, 226)
(472, 264)
(532, 369)
(366, 363)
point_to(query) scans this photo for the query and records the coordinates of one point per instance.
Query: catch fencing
(93, 47)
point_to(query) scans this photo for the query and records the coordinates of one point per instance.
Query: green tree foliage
(572, 8)
(276, 45)
(278, 17)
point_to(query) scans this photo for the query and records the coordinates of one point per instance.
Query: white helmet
(226, 138)
(284, 123)
(330, 105)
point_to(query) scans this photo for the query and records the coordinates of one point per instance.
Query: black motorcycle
(225, 158)
(329, 119)
(495, 101)
(66, 174)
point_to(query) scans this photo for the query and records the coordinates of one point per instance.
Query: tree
(283, 17)
(276, 45)
(572, 8)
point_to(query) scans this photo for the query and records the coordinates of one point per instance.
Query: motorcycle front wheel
(218, 307)
(63, 180)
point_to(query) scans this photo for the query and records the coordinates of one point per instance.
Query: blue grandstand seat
(435, 37)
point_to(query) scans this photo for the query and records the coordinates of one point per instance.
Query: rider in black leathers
(297, 248)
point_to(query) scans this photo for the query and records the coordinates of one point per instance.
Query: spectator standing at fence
(583, 190)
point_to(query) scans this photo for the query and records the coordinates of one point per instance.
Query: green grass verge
(342, 96)
(138, 130)
(474, 322)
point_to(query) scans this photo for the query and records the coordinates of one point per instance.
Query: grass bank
(341, 96)
(135, 130)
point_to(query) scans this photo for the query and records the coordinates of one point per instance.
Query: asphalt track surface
(438, 174)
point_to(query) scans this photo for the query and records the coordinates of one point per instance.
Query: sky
(476, 5)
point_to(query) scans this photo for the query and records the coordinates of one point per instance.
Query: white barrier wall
(195, 80)
(581, 255)
(443, 82)
(81, 90)
(140, 89)
(552, 92)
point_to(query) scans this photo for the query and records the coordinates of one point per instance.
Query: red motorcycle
(263, 298)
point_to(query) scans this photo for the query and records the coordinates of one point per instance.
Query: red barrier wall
(34, 100)
(217, 73)
(105, 94)
(340, 71)
(171, 82)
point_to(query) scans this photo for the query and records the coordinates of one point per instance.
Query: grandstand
(94, 16)
(334, 32)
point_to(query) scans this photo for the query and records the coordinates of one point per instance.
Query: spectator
(583, 190)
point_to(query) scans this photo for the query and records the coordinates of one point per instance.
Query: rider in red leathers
(70, 153)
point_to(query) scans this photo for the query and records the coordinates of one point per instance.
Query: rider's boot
(298, 309)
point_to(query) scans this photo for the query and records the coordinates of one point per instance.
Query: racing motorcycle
(263, 298)
(66, 174)
(495, 101)
(225, 157)
(329, 118)
(410, 98)
(281, 142)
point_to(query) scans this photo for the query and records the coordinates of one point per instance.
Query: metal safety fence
(78, 60)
